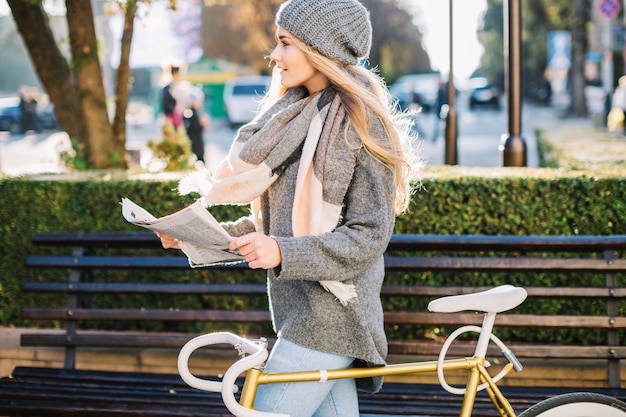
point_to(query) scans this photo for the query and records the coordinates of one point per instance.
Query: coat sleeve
(358, 241)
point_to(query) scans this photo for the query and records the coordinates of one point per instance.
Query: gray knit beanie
(338, 29)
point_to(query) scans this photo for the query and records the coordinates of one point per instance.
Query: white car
(242, 96)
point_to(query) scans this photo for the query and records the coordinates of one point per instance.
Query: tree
(76, 88)
(492, 38)
(397, 47)
(122, 84)
(240, 31)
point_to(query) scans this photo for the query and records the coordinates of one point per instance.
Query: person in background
(175, 95)
(440, 112)
(28, 108)
(326, 166)
(618, 101)
(196, 121)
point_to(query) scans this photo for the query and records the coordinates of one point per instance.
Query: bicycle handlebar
(228, 388)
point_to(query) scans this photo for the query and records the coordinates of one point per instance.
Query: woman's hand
(167, 241)
(259, 250)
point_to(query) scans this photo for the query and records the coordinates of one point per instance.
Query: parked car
(11, 116)
(418, 89)
(484, 94)
(242, 96)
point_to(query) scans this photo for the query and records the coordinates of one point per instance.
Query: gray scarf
(309, 129)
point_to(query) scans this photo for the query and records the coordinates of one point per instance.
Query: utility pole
(512, 145)
(451, 118)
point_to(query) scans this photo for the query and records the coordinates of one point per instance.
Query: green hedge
(451, 200)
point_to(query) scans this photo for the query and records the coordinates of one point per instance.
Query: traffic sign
(608, 9)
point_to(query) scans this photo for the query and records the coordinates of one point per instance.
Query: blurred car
(11, 116)
(416, 89)
(242, 96)
(484, 94)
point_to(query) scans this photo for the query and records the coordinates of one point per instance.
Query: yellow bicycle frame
(475, 365)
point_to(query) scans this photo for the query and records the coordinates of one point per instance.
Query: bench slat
(144, 288)
(396, 347)
(261, 289)
(507, 320)
(458, 263)
(106, 340)
(413, 242)
(500, 243)
(392, 263)
(98, 239)
(547, 292)
(43, 313)
(115, 262)
(522, 350)
(256, 316)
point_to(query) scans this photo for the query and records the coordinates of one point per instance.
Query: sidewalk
(39, 153)
(577, 144)
(575, 140)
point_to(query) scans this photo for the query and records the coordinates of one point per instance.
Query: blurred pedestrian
(175, 95)
(196, 122)
(440, 110)
(28, 108)
(618, 104)
(416, 99)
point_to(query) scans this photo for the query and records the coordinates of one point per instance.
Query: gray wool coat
(302, 311)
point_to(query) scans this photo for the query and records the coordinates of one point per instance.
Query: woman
(326, 166)
(174, 96)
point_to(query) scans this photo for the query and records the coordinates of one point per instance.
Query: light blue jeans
(333, 398)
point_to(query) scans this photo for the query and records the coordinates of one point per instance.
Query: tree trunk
(104, 152)
(579, 48)
(122, 84)
(51, 66)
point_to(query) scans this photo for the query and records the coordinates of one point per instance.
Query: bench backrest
(409, 258)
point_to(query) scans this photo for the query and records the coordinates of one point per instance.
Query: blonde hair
(363, 95)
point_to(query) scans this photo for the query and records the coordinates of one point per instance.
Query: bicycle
(253, 354)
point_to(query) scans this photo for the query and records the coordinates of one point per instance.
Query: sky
(433, 18)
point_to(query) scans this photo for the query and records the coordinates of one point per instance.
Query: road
(479, 133)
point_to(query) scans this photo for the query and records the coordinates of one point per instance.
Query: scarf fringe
(343, 292)
(196, 182)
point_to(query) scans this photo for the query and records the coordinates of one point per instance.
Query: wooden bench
(93, 253)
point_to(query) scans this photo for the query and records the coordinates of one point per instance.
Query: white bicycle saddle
(495, 300)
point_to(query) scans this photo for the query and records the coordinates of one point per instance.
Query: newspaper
(202, 238)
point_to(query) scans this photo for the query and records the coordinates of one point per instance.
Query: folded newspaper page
(202, 238)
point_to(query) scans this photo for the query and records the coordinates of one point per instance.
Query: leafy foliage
(173, 150)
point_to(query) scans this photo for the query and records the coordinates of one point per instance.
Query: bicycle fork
(479, 375)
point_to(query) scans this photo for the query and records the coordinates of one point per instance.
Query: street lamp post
(451, 118)
(512, 145)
